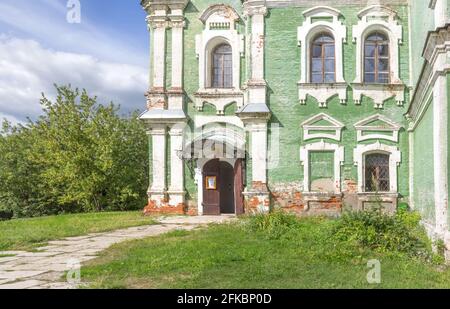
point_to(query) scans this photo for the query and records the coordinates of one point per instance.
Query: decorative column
(176, 190)
(257, 195)
(157, 23)
(440, 137)
(256, 84)
(258, 131)
(177, 23)
(158, 188)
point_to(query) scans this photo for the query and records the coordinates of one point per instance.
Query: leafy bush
(79, 156)
(273, 225)
(383, 232)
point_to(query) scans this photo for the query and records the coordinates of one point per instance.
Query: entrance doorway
(222, 188)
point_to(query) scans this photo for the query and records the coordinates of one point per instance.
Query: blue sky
(107, 53)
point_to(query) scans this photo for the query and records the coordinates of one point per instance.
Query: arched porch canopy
(217, 142)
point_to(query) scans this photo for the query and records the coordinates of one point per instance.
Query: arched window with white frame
(323, 59)
(378, 36)
(376, 58)
(222, 66)
(321, 38)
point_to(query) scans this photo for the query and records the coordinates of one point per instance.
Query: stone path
(44, 269)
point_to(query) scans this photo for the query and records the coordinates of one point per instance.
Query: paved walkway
(45, 268)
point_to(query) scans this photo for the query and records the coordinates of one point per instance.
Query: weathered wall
(283, 73)
(422, 21)
(423, 172)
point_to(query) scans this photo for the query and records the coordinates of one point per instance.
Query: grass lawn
(26, 234)
(231, 256)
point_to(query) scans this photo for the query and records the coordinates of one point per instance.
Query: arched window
(222, 67)
(323, 64)
(377, 172)
(376, 59)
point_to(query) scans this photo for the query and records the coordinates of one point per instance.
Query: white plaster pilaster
(440, 150)
(199, 181)
(158, 188)
(177, 24)
(258, 131)
(158, 22)
(440, 13)
(256, 85)
(176, 190)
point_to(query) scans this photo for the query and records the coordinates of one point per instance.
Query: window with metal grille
(323, 64)
(377, 172)
(222, 68)
(376, 59)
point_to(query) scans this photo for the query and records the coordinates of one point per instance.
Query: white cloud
(27, 69)
(45, 21)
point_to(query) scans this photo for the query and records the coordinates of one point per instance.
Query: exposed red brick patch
(180, 209)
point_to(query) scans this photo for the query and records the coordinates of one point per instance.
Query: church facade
(304, 105)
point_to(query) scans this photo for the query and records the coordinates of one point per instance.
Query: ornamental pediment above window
(377, 127)
(322, 126)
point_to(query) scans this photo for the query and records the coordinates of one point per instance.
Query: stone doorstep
(39, 254)
(53, 286)
(20, 274)
(21, 285)
(11, 252)
(52, 276)
(78, 238)
(25, 260)
(8, 259)
(4, 281)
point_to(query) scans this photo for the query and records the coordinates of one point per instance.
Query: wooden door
(211, 197)
(239, 187)
(226, 175)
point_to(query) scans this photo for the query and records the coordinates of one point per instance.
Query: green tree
(78, 156)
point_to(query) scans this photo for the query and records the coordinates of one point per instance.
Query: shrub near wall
(79, 156)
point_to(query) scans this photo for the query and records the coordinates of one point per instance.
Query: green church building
(305, 105)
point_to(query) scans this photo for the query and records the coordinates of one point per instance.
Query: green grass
(26, 234)
(232, 256)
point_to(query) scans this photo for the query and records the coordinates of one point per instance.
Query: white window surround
(359, 155)
(306, 33)
(322, 146)
(220, 27)
(388, 126)
(382, 19)
(309, 125)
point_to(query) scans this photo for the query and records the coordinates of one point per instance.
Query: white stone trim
(335, 125)
(440, 146)
(379, 93)
(389, 126)
(383, 19)
(211, 37)
(306, 33)
(201, 120)
(219, 98)
(361, 151)
(322, 92)
(310, 29)
(322, 146)
(176, 190)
